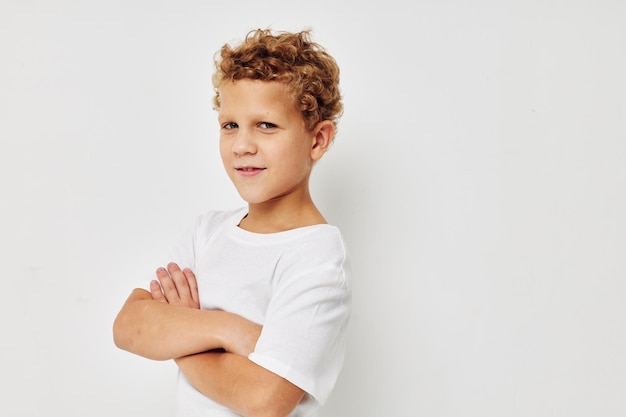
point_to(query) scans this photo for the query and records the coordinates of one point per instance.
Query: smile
(249, 171)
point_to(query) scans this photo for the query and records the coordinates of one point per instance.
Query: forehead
(248, 92)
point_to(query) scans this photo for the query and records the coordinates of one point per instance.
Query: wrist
(222, 330)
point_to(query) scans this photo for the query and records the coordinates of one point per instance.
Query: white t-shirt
(295, 283)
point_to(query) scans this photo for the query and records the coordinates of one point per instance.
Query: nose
(244, 143)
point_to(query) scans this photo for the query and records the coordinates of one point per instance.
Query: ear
(323, 135)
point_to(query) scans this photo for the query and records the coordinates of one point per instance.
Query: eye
(229, 125)
(266, 125)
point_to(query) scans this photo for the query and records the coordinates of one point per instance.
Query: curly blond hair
(305, 67)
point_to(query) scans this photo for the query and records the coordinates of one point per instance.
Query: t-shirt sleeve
(304, 334)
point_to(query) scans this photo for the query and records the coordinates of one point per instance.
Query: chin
(256, 199)
(251, 199)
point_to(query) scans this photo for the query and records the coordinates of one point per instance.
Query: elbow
(126, 326)
(127, 336)
(126, 331)
(120, 332)
(270, 410)
(265, 411)
(273, 405)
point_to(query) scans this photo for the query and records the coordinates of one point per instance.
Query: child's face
(265, 147)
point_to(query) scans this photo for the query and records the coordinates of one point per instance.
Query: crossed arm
(209, 347)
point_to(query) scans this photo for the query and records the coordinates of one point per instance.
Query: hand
(175, 287)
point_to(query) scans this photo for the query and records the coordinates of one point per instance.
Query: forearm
(240, 384)
(160, 331)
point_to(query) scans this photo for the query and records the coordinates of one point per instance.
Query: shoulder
(323, 239)
(319, 250)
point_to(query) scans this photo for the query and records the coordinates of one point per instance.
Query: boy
(255, 307)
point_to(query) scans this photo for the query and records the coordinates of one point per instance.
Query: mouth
(248, 171)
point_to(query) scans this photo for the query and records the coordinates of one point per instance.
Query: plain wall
(479, 177)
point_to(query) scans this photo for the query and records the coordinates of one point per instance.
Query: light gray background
(479, 176)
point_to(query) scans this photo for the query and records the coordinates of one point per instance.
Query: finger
(167, 285)
(157, 292)
(193, 286)
(180, 281)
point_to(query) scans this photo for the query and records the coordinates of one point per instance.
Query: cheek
(299, 165)
(224, 151)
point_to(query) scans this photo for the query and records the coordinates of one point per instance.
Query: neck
(278, 216)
